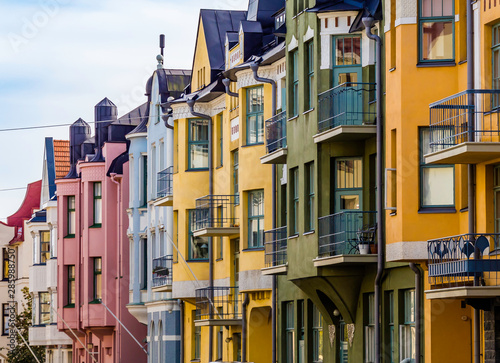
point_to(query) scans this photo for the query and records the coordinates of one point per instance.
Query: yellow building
(442, 135)
(222, 193)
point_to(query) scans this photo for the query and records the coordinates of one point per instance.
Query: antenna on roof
(162, 43)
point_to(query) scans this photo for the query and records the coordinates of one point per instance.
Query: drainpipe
(226, 82)
(244, 329)
(181, 308)
(168, 113)
(191, 102)
(368, 23)
(418, 309)
(255, 68)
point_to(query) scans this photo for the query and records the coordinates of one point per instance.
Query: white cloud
(58, 58)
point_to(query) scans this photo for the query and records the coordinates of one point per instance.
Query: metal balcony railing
(469, 116)
(348, 104)
(464, 260)
(275, 244)
(216, 211)
(162, 271)
(276, 132)
(165, 182)
(343, 233)
(223, 303)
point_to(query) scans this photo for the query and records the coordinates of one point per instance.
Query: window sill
(96, 225)
(437, 210)
(219, 167)
(309, 232)
(253, 249)
(69, 306)
(69, 236)
(199, 260)
(292, 118)
(293, 236)
(195, 170)
(308, 111)
(195, 360)
(95, 302)
(256, 144)
(39, 264)
(436, 64)
(494, 253)
(463, 210)
(219, 259)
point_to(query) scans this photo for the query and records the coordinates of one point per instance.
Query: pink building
(93, 248)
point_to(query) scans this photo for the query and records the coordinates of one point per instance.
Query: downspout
(244, 329)
(368, 23)
(255, 69)
(191, 102)
(471, 168)
(418, 309)
(168, 113)
(226, 82)
(181, 308)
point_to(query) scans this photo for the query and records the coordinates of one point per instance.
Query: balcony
(464, 128)
(275, 140)
(218, 306)
(162, 274)
(165, 194)
(215, 216)
(275, 244)
(464, 267)
(347, 113)
(348, 237)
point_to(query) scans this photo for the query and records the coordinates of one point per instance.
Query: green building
(324, 251)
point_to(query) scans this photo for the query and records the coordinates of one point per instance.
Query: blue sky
(58, 58)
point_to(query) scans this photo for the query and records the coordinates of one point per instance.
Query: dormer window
(279, 20)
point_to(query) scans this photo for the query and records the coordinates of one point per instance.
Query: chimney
(79, 131)
(105, 113)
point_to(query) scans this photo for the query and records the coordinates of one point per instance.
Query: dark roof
(233, 38)
(105, 103)
(215, 24)
(171, 81)
(39, 217)
(263, 11)
(134, 117)
(116, 166)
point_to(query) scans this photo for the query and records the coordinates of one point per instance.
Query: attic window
(279, 20)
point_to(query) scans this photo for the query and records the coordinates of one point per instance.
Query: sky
(59, 58)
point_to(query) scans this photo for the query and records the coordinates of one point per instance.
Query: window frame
(70, 212)
(44, 254)
(191, 218)
(5, 319)
(310, 197)
(97, 204)
(434, 19)
(236, 176)
(295, 84)
(221, 139)
(495, 48)
(196, 338)
(191, 143)
(97, 277)
(259, 116)
(423, 166)
(5, 271)
(259, 218)
(407, 325)
(42, 313)
(370, 328)
(317, 335)
(295, 201)
(310, 74)
(289, 330)
(71, 286)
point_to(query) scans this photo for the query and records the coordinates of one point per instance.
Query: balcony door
(348, 184)
(347, 100)
(496, 193)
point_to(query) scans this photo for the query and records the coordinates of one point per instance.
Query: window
(437, 27)
(255, 115)
(198, 144)
(495, 57)
(347, 53)
(289, 333)
(44, 247)
(348, 184)
(97, 294)
(5, 319)
(390, 321)
(71, 216)
(144, 199)
(44, 300)
(220, 252)
(301, 331)
(279, 20)
(5, 272)
(310, 196)
(71, 286)
(437, 182)
(196, 337)
(370, 329)
(310, 74)
(407, 329)
(144, 270)
(220, 340)
(256, 219)
(221, 139)
(317, 335)
(53, 242)
(295, 201)
(97, 204)
(295, 83)
(198, 246)
(236, 186)
(153, 172)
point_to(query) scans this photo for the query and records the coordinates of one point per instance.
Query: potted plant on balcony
(160, 271)
(366, 239)
(364, 247)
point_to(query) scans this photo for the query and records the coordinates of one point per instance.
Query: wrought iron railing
(347, 104)
(162, 271)
(346, 232)
(275, 243)
(222, 303)
(276, 132)
(469, 116)
(464, 260)
(165, 182)
(216, 211)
